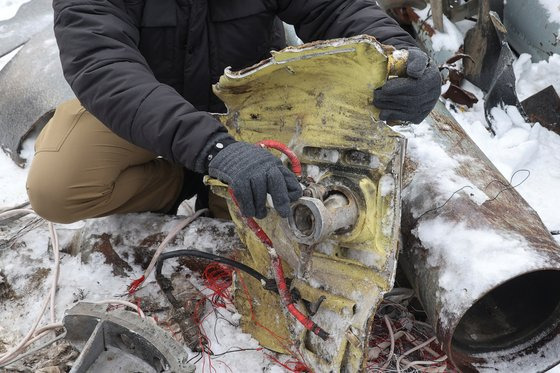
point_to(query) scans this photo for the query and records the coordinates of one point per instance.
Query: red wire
(134, 285)
(298, 365)
(278, 271)
(217, 278)
(282, 341)
(294, 160)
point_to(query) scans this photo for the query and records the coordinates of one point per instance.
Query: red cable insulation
(294, 160)
(135, 285)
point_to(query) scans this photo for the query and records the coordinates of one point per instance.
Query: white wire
(392, 351)
(48, 327)
(182, 224)
(51, 295)
(4, 357)
(35, 333)
(56, 251)
(425, 362)
(412, 350)
(122, 302)
(16, 211)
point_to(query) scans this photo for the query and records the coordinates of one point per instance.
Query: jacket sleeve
(328, 19)
(101, 62)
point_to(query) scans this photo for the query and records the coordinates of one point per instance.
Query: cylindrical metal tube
(312, 220)
(485, 267)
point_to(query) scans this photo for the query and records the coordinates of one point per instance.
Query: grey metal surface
(92, 329)
(510, 318)
(390, 4)
(530, 30)
(457, 10)
(312, 220)
(31, 18)
(32, 86)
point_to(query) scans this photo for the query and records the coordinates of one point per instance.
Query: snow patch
(9, 8)
(475, 259)
(431, 159)
(450, 39)
(534, 77)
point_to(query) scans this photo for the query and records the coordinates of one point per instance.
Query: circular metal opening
(304, 220)
(522, 309)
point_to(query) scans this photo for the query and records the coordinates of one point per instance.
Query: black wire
(445, 203)
(506, 187)
(509, 186)
(237, 350)
(194, 357)
(167, 288)
(215, 258)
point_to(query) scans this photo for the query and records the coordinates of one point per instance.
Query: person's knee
(50, 199)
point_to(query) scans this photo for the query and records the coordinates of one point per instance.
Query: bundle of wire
(36, 333)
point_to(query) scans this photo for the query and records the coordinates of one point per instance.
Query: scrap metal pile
(320, 286)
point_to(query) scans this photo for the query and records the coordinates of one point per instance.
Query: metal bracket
(143, 345)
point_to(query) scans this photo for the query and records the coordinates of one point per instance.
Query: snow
(478, 257)
(534, 77)
(8, 8)
(5, 59)
(519, 145)
(553, 9)
(450, 39)
(12, 178)
(431, 159)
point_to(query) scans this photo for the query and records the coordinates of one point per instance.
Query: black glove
(410, 99)
(252, 172)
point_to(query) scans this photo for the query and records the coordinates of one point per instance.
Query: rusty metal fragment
(544, 107)
(455, 76)
(488, 309)
(460, 96)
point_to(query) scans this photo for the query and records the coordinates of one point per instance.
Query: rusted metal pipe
(485, 267)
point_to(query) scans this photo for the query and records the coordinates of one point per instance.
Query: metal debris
(31, 18)
(530, 29)
(32, 86)
(118, 335)
(544, 107)
(501, 91)
(484, 46)
(506, 315)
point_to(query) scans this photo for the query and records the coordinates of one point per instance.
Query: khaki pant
(83, 170)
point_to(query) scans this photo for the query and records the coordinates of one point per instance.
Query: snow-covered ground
(517, 145)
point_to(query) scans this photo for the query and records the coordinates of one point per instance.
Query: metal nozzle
(313, 220)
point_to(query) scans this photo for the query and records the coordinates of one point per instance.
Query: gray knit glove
(412, 98)
(252, 172)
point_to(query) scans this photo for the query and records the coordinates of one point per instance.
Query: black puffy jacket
(145, 67)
